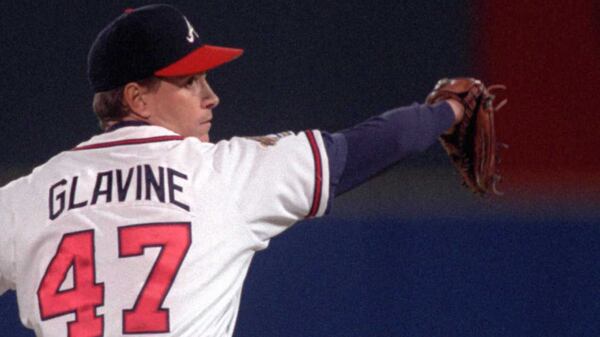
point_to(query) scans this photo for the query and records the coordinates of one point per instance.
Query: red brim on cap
(200, 60)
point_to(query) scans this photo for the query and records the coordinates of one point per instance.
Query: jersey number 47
(76, 250)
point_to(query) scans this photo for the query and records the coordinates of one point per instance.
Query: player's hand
(459, 113)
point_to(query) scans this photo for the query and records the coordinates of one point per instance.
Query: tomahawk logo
(191, 31)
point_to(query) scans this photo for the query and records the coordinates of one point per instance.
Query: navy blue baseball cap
(155, 40)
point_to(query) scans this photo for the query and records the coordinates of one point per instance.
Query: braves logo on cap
(153, 36)
(191, 31)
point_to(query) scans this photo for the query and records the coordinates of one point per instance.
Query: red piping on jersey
(318, 174)
(128, 142)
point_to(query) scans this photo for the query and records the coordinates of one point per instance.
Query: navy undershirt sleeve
(361, 152)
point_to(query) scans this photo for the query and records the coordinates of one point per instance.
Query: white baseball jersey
(139, 231)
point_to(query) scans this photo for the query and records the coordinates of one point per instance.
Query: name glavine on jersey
(141, 182)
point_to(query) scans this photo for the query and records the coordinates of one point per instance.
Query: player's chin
(204, 138)
(201, 131)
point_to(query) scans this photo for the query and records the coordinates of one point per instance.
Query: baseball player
(149, 228)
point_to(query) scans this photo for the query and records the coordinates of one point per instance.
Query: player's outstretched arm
(359, 153)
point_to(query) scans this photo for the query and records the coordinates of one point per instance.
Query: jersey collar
(129, 133)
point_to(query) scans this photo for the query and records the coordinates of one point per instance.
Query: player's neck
(124, 123)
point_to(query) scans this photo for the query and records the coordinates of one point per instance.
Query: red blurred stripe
(548, 53)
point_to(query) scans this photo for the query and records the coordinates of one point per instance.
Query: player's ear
(133, 98)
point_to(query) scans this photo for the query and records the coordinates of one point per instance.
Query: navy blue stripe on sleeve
(361, 152)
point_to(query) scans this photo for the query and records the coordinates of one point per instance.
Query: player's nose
(209, 99)
(210, 102)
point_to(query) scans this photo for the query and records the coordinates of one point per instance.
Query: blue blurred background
(410, 253)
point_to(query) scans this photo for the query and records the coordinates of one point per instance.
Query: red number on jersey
(75, 250)
(148, 315)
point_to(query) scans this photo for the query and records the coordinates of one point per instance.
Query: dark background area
(307, 64)
(411, 253)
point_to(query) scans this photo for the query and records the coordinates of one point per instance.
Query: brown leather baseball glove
(472, 144)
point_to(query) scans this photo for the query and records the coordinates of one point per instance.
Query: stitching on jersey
(133, 141)
(318, 174)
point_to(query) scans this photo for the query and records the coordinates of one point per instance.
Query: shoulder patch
(270, 140)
